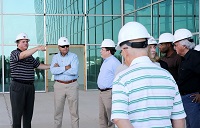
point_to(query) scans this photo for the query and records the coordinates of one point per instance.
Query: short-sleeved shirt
(22, 69)
(147, 95)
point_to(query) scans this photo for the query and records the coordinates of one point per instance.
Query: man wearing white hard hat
(64, 67)
(144, 95)
(22, 90)
(105, 79)
(188, 81)
(152, 45)
(171, 57)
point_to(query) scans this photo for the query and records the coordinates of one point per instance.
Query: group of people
(64, 67)
(144, 91)
(147, 90)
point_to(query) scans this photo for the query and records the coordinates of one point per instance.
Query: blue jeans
(192, 111)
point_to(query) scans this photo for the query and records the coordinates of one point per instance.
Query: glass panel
(128, 6)
(94, 61)
(155, 26)
(27, 24)
(166, 8)
(107, 6)
(142, 3)
(91, 36)
(184, 7)
(23, 6)
(69, 26)
(165, 25)
(184, 22)
(129, 18)
(39, 74)
(146, 22)
(99, 32)
(116, 27)
(116, 6)
(108, 30)
(98, 9)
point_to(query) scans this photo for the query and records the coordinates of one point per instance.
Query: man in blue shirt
(64, 67)
(105, 79)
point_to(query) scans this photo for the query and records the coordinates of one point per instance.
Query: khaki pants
(61, 93)
(105, 104)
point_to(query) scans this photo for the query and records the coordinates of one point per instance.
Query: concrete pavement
(44, 110)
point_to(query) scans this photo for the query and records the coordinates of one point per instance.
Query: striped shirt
(147, 95)
(22, 69)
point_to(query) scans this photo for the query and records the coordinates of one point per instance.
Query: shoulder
(15, 52)
(72, 54)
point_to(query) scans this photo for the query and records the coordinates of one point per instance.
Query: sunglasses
(63, 46)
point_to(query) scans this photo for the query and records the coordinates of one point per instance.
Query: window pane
(23, 6)
(94, 61)
(128, 6)
(25, 24)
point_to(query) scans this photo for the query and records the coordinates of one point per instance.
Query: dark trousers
(192, 111)
(22, 98)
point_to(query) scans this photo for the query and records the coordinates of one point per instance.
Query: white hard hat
(130, 31)
(22, 36)
(108, 43)
(166, 38)
(63, 41)
(181, 34)
(197, 47)
(151, 40)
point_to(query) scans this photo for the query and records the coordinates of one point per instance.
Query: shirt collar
(108, 58)
(172, 55)
(142, 59)
(65, 55)
(187, 54)
(19, 50)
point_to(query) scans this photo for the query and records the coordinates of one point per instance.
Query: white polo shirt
(147, 95)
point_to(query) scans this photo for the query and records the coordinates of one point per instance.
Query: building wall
(87, 22)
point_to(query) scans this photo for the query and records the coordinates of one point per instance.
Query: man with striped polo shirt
(22, 90)
(64, 67)
(144, 95)
(105, 79)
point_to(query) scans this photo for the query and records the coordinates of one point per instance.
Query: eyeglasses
(63, 46)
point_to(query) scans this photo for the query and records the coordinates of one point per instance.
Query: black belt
(66, 82)
(105, 89)
(23, 81)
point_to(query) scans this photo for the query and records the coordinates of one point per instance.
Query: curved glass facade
(85, 23)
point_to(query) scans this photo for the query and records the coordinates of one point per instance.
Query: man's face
(104, 53)
(163, 47)
(63, 49)
(23, 44)
(180, 49)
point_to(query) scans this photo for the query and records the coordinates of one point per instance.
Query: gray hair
(187, 43)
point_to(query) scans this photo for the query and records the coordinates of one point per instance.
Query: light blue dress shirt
(107, 72)
(59, 72)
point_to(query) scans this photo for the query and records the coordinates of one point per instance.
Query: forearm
(28, 53)
(44, 66)
(123, 123)
(179, 123)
